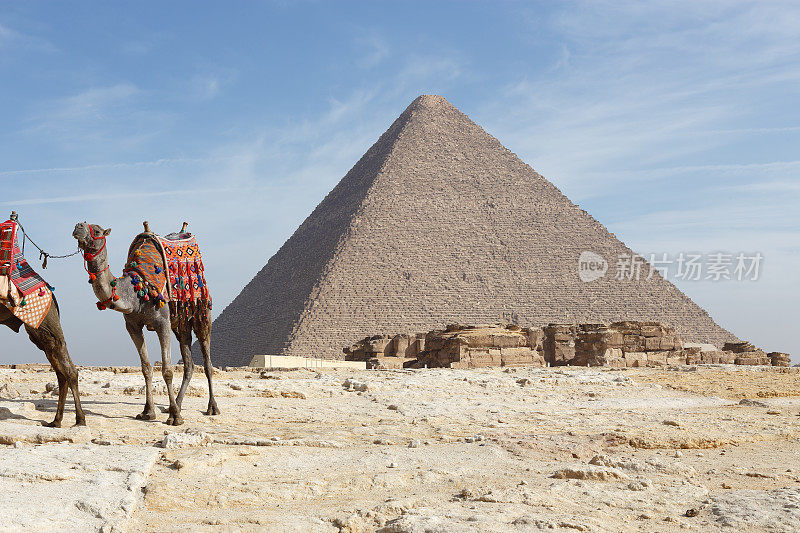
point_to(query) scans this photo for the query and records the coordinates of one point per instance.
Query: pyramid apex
(431, 101)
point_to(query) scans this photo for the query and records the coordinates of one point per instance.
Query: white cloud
(647, 86)
(205, 87)
(95, 101)
(85, 109)
(107, 166)
(371, 48)
(11, 39)
(209, 81)
(769, 186)
(7, 34)
(80, 198)
(99, 119)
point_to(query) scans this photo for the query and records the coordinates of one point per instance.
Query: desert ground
(705, 448)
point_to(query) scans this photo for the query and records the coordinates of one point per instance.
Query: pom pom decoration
(114, 283)
(140, 293)
(146, 298)
(116, 297)
(23, 302)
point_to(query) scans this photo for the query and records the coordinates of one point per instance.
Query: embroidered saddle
(170, 269)
(26, 294)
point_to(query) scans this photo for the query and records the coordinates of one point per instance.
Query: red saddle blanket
(185, 268)
(35, 295)
(170, 269)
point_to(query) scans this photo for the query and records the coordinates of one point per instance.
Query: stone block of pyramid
(438, 223)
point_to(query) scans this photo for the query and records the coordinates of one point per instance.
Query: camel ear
(107, 232)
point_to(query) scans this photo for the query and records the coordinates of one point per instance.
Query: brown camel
(49, 338)
(119, 294)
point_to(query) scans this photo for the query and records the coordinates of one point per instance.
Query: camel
(121, 294)
(49, 338)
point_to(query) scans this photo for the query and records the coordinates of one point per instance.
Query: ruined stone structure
(621, 344)
(454, 347)
(439, 223)
(747, 354)
(627, 343)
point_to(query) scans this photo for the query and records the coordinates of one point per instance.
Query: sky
(675, 124)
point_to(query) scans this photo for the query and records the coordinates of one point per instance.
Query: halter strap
(87, 256)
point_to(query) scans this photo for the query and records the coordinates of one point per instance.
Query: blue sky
(676, 124)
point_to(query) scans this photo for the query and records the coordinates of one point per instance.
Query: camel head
(90, 237)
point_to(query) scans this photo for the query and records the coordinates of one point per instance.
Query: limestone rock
(780, 359)
(628, 343)
(11, 432)
(68, 487)
(591, 473)
(187, 439)
(755, 510)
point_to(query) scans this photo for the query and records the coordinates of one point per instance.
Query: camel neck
(100, 268)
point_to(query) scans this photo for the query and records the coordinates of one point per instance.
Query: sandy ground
(411, 451)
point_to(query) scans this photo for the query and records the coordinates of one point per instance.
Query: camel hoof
(212, 410)
(81, 422)
(175, 420)
(146, 415)
(53, 424)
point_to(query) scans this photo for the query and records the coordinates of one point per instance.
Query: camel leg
(174, 418)
(70, 379)
(62, 393)
(205, 347)
(185, 341)
(62, 399)
(137, 337)
(49, 338)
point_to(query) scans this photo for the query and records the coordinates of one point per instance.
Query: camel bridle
(89, 256)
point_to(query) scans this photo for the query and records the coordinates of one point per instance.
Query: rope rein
(43, 256)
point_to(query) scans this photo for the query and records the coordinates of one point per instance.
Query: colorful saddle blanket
(31, 297)
(170, 269)
(185, 268)
(146, 269)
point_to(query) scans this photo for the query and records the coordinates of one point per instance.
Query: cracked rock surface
(521, 449)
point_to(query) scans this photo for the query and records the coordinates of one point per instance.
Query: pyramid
(438, 223)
